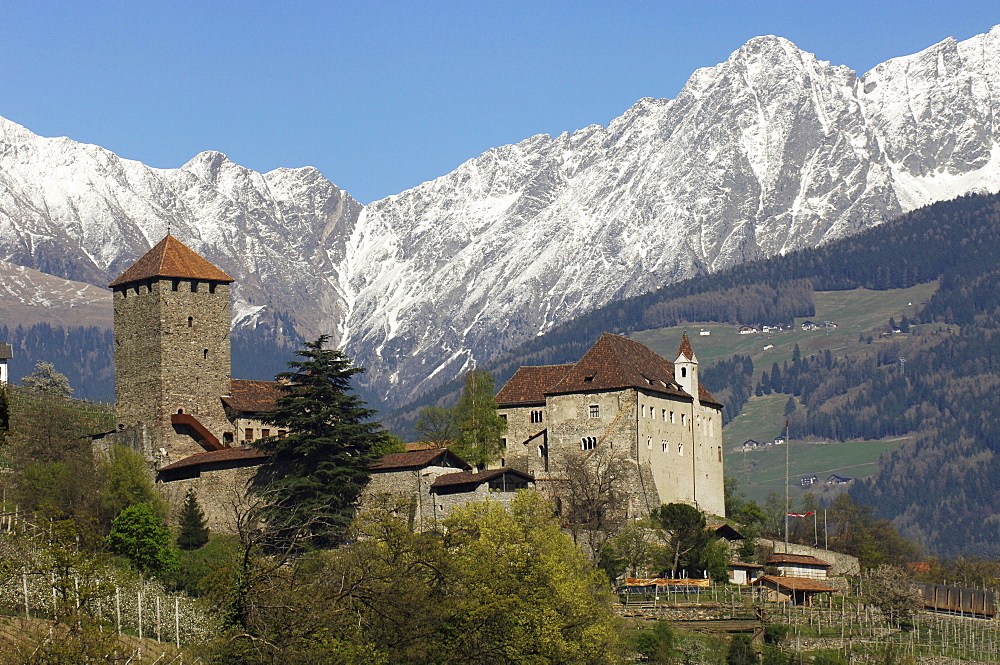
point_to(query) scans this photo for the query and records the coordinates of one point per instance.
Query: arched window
(190, 321)
(684, 372)
(205, 354)
(588, 443)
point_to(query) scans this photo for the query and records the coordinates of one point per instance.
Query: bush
(657, 645)
(775, 633)
(142, 537)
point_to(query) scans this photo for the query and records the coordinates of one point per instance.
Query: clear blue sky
(381, 96)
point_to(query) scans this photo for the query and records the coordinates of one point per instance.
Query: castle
(620, 399)
(177, 404)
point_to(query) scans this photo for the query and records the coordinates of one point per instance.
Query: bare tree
(595, 501)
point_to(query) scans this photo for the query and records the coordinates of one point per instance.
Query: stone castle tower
(172, 353)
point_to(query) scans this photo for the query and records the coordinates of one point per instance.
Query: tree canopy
(314, 475)
(480, 427)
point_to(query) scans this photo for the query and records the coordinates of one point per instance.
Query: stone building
(620, 399)
(176, 402)
(433, 482)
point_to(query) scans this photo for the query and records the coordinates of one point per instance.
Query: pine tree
(481, 429)
(193, 527)
(316, 473)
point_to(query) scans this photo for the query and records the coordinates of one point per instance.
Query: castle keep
(621, 399)
(176, 402)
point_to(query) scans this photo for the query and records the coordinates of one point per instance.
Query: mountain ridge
(769, 151)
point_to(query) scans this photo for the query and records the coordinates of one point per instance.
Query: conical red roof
(686, 349)
(171, 258)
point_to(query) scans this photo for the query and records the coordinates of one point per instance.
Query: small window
(536, 416)
(664, 445)
(588, 443)
(248, 434)
(664, 415)
(684, 419)
(282, 433)
(504, 416)
(194, 286)
(541, 451)
(649, 442)
(680, 449)
(672, 417)
(264, 433)
(204, 354)
(504, 442)
(720, 453)
(190, 321)
(588, 379)
(595, 411)
(643, 410)
(227, 438)
(684, 372)
(211, 287)
(175, 284)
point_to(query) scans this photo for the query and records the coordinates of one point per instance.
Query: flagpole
(815, 530)
(787, 444)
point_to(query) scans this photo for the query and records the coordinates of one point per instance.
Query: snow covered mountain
(769, 151)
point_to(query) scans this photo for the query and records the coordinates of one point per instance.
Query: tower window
(194, 286)
(536, 416)
(664, 444)
(174, 284)
(211, 287)
(684, 372)
(227, 438)
(595, 411)
(643, 410)
(680, 448)
(684, 419)
(205, 354)
(672, 417)
(588, 443)
(664, 415)
(190, 321)
(649, 442)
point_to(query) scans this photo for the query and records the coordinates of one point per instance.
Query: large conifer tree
(193, 528)
(315, 474)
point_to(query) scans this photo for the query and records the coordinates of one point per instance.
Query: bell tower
(172, 354)
(686, 368)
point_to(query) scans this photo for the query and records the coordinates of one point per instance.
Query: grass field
(855, 312)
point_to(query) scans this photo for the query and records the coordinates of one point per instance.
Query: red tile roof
(686, 349)
(416, 459)
(795, 583)
(171, 258)
(253, 396)
(612, 363)
(529, 384)
(224, 455)
(476, 478)
(779, 557)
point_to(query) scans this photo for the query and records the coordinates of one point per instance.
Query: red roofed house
(797, 590)
(176, 401)
(621, 399)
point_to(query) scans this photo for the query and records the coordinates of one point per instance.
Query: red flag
(801, 514)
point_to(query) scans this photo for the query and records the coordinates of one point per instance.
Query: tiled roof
(477, 478)
(779, 557)
(686, 349)
(612, 363)
(252, 396)
(416, 459)
(795, 583)
(427, 445)
(529, 384)
(224, 455)
(171, 258)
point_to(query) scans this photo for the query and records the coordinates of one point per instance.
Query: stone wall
(842, 564)
(221, 494)
(172, 355)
